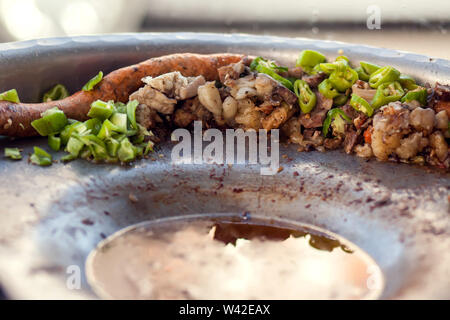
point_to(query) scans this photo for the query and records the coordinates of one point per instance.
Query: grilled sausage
(16, 118)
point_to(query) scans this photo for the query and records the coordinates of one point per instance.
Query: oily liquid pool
(200, 257)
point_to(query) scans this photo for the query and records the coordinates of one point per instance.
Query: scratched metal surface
(50, 218)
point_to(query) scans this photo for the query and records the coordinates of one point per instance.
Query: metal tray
(50, 218)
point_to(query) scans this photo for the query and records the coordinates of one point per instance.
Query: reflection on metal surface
(225, 258)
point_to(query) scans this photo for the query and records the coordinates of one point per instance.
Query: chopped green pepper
(368, 67)
(67, 132)
(120, 120)
(112, 146)
(10, 95)
(41, 157)
(308, 59)
(326, 88)
(107, 130)
(407, 82)
(131, 112)
(306, 98)
(419, 94)
(343, 58)
(74, 146)
(58, 92)
(383, 75)
(91, 83)
(343, 78)
(362, 75)
(68, 157)
(96, 146)
(340, 99)
(361, 105)
(336, 118)
(13, 153)
(387, 92)
(126, 152)
(91, 126)
(54, 142)
(329, 67)
(52, 121)
(100, 109)
(270, 68)
(149, 147)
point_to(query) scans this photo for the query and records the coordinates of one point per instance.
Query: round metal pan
(50, 218)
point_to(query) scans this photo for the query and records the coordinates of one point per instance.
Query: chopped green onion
(13, 153)
(91, 83)
(51, 121)
(10, 95)
(41, 157)
(58, 92)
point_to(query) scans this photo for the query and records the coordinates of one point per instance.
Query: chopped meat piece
(265, 85)
(442, 120)
(333, 143)
(209, 97)
(266, 107)
(362, 89)
(190, 111)
(243, 87)
(350, 111)
(175, 85)
(268, 88)
(442, 92)
(389, 125)
(350, 139)
(413, 104)
(312, 137)
(146, 116)
(296, 72)
(442, 106)
(183, 118)
(364, 151)
(154, 99)
(292, 129)
(232, 71)
(247, 115)
(318, 114)
(314, 80)
(439, 145)
(230, 108)
(286, 94)
(422, 119)
(440, 99)
(279, 116)
(411, 145)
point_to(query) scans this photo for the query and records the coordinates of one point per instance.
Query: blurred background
(413, 25)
